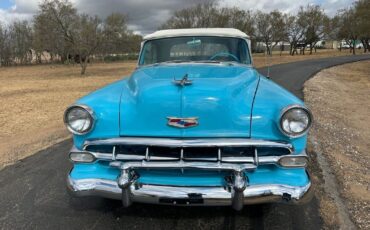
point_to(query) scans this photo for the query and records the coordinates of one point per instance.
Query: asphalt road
(33, 193)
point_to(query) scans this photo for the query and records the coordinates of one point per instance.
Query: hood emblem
(180, 122)
(183, 82)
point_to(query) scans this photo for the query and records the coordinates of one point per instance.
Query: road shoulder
(339, 99)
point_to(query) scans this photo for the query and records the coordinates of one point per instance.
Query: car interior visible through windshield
(195, 49)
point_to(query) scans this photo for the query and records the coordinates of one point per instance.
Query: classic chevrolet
(194, 124)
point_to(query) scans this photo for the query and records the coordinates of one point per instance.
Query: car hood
(220, 97)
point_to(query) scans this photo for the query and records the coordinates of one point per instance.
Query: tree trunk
(281, 48)
(268, 49)
(353, 49)
(364, 43)
(83, 64)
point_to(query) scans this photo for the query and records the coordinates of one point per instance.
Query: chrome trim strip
(225, 163)
(212, 196)
(199, 142)
(182, 165)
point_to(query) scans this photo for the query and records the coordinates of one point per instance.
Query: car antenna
(268, 61)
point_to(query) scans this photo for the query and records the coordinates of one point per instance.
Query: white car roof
(221, 32)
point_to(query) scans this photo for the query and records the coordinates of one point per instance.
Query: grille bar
(181, 155)
(227, 150)
(201, 150)
(200, 142)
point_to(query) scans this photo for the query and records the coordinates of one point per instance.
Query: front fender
(270, 100)
(105, 104)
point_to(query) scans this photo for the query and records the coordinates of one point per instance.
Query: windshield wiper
(175, 61)
(207, 61)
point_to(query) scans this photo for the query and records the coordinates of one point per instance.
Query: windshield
(195, 49)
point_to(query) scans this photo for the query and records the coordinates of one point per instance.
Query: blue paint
(269, 101)
(105, 104)
(221, 96)
(263, 175)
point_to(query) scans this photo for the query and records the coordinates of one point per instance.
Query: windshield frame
(246, 40)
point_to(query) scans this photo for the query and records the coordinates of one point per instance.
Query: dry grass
(340, 101)
(33, 99)
(260, 60)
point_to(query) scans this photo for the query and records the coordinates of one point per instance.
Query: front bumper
(222, 178)
(196, 195)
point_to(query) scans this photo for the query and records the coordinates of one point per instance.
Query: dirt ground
(339, 98)
(33, 99)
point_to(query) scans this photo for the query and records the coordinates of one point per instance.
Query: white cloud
(26, 6)
(146, 16)
(8, 16)
(287, 6)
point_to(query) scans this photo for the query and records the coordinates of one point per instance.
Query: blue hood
(221, 96)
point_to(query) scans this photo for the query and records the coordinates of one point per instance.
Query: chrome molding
(211, 196)
(222, 163)
(183, 165)
(183, 82)
(200, 142)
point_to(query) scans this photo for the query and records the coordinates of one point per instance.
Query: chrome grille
(161, 153)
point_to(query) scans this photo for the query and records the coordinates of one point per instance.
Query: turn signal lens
(82, 157)
(293, 162)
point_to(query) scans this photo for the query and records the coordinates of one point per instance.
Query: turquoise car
(194, 124)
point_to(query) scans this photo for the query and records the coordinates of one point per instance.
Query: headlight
(295, 120)
(79, 119)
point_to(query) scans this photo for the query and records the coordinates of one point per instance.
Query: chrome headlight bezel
(90, 115)
(290, 108)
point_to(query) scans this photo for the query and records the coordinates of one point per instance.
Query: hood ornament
(182, 122)
(183, 82)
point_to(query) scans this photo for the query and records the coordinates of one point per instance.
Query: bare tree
(21, 37)
(295, 33)
(3, 47)
(87, 38)
(236, 18)
(81, 34)
(264, 30)
(314, 24)
(115, 33)
(362, 9)
(349, 28)
(16, 43)
(209, 15)
(278, 27)
(199, 16)
(48, 36)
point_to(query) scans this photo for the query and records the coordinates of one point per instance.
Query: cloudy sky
(146, 16)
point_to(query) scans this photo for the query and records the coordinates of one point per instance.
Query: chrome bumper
(195, 196)
(235, 191)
